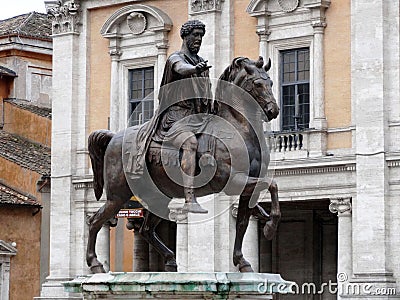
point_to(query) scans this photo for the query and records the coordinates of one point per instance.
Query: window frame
(274, 52)
(296, 83)
(124, 67)
(142, 89)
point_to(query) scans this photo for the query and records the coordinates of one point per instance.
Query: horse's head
(254, 79)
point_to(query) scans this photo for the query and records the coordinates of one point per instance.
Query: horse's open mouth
(269, 114)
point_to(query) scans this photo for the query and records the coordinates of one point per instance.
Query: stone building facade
(335, 151)
(25, 133)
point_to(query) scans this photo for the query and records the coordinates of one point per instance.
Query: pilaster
(217, 45)
(195, 233)
(369, 65)
(66, 17)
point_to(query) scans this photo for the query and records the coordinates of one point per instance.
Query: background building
(25, 140)
(335, 65)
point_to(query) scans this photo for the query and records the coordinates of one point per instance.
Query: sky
(19, 7)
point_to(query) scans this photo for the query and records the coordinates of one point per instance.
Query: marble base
(152, 285)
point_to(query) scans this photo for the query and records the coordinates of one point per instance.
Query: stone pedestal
(178, 286)
(205, 241)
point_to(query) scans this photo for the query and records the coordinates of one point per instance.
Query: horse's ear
(260, 62)
(268, 65)
(238, 61)
(249, 69)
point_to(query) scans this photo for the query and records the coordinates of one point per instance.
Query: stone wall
(27, 124)
(20, 226)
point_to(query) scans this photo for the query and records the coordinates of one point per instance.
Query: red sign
(130, 213)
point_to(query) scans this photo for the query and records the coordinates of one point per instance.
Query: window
(141, 99)
(295, 89)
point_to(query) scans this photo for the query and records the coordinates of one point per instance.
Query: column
(317, 10)
(318, 88)
(224, 231)
(250, 247)
(195, 238)
(115, 122)
(140, 253)
(318, 141)
(159, 70)
(182, 247)
(342, 208)
(103, 246)
(66, 41)
(263, 35)
(250, 244)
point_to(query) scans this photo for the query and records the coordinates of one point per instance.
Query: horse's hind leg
(105, 213)
(271, 226)
(147, 230)
(242, 222)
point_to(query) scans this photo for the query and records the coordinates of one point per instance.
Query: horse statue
(243, 82)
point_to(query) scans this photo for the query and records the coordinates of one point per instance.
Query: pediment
(274, 6)
(7, 249)
(136, 19)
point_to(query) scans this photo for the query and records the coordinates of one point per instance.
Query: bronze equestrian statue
(135, 161)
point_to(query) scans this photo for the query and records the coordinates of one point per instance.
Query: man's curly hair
(190, 25)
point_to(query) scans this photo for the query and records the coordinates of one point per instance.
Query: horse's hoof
(269, 230)
(259, 213)
(97, 269)
(194, 208)
(130, 225)
(246, 269)
(171, 268)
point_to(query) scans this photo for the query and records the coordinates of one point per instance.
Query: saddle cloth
(168, 155)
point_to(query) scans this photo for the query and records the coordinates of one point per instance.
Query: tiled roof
(24, 153)
(31, 24)
(9, 196)
(7, 72)
(41, 111)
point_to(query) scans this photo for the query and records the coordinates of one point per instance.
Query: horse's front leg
(242, 222)
(251, 187)
(271, 226)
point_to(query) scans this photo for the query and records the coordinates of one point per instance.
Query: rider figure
(180, 102)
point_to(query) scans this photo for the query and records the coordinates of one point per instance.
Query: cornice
(82, 182)
(315, 170)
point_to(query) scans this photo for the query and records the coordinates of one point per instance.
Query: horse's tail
(97, 145)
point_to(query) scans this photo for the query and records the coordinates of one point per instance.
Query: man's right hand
(202, 66)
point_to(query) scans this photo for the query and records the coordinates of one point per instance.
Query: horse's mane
(229, 75)
(233, 69)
